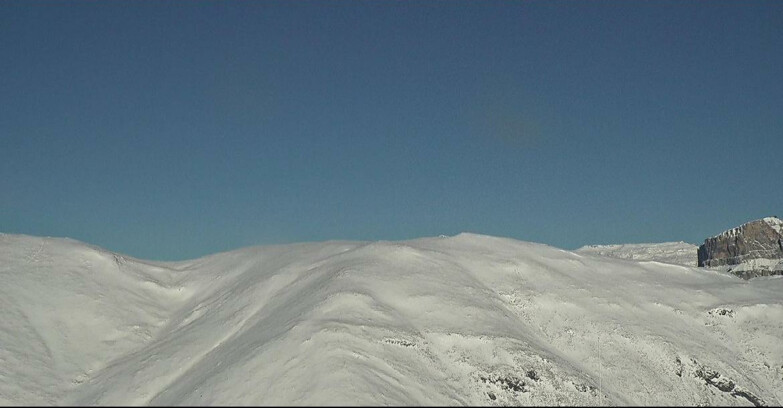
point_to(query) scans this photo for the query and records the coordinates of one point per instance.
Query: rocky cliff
(750, 250)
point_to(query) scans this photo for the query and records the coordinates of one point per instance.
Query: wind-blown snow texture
(468, 319)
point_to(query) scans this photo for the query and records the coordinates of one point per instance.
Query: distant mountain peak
(773, 221)
(678, 253)
(752, 249)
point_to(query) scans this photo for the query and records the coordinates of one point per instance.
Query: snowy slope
(678, 253)
(468, 319)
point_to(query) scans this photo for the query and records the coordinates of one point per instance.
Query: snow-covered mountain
(678, 253)
(750, 250)
(468, 319)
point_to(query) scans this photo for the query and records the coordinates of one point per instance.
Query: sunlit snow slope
(468, 319)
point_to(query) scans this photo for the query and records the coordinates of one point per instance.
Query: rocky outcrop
(750, 250)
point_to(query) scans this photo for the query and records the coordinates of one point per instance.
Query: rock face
(750, 250)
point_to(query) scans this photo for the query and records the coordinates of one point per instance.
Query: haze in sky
(170, 130)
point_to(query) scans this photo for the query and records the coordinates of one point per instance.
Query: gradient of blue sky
(170, 130)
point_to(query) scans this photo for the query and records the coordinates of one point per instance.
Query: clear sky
(170, 130)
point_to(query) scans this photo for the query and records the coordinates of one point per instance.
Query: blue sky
(170, 130)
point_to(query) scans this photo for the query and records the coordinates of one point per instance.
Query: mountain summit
(752, 249)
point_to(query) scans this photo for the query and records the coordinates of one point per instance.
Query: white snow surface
(463, 320)
(753, 265)
(678, 253)
(776, 224)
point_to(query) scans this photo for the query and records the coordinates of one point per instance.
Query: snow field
(468, 319)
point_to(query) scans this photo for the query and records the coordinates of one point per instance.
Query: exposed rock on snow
(715, 379)
(464, 320)
(752, 249)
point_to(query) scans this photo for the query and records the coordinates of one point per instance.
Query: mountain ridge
(678, 253)
(752, 249)
(469, 319)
